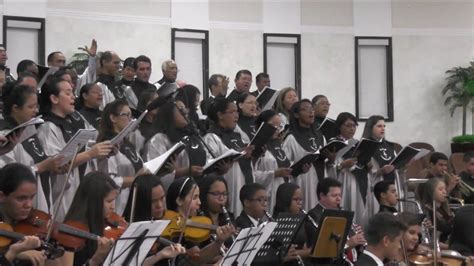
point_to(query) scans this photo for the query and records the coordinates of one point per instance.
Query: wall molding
(236, 25)
(327, 29)
(108, 17)
(432, 32)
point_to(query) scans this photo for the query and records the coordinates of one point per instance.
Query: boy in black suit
(254, 200)
(383, 234)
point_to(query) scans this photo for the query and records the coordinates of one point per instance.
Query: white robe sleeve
(89, 75)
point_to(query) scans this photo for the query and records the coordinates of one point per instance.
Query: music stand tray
(247, 244)
(332, 232)
(277, 245)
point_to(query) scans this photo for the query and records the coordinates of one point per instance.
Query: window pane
(188, 57)
(281, 65)
(372, 68)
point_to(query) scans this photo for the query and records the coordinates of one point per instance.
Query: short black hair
(179, 188)
(381, 225)
(316, 98)
(468, 156)
(214, 80)
(326, 184)
(220, 104)
(18, 96)
(436, 156)
(51, 55)
(23, 66)
(141, 58)
(382, 187)
(105, 57)
(248, 191)
(129, 62)
(261, 76)
(343, 117)
(242, 72)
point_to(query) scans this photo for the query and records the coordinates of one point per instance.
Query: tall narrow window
(24, 38)
(190, 50)
(282, 60)
(373, 72)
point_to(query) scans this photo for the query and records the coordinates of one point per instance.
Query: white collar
(253, 220)
(377, 260)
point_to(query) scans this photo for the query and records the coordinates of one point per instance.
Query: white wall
(428, 38)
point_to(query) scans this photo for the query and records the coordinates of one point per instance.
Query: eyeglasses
(216, 194)
(260, 200)
(129, 115)
(350, 125)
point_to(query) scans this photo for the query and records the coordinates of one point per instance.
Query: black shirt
(139, 86)
(91, 115)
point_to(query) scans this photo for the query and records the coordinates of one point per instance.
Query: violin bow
(61, 195)
(188, 211)
(134, 201)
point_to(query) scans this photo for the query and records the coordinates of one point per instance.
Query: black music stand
(133, 246)
(333, 228)
(277, 245)
(247, 244)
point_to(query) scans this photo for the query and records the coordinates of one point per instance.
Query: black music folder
(266, 99)
(333, 146)
(297, 167)
(405, 155)
(363, 151)
(263, 135)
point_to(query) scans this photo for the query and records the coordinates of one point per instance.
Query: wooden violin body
(196, 229)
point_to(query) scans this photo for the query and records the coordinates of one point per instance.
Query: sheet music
(50, 71)
(271, 102)
(257, 236)
(26, 133)
(80, 139)
(341, 152)
(228, 154)
(119, 252)
(154, 165)
(420, 154)
(128, 129)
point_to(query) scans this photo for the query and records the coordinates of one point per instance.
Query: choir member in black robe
(243, 81)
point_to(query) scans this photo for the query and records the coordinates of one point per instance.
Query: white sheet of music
(119, 252)
(154, 165)
(128, 129)
(257, 236)
(80, 139)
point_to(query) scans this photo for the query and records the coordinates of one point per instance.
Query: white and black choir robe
(127, 162)
(53, 136)
(219, 141)
(246, 128)
(357, 191)
(194, 153)
(29, 153)
(273, 159)
(297, 143)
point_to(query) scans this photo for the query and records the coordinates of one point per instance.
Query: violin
(71, 234)
(115, 226)
(7, 236)
(196, 229)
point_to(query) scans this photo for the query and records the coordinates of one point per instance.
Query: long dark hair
(179, 189)
(16, 96)
(204, 187)
(295, 109)
(144, 185)
(369, 125)
(88, 203)
(240, 99)
(106, 127)
(165, 123)
(51, 88)
(84, 90)
(284, 197)
(219, 105)
(342, 118)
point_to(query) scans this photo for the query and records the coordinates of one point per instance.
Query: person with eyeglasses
(301, 139)
(273, 163)
(247, 107)
(125, 163)
(222, 137)
(321, 121)
(254, 200)
(89, 102)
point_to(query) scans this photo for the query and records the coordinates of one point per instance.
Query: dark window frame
(297, 85)
(41, 34)
(390, 110)
(205, 56)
